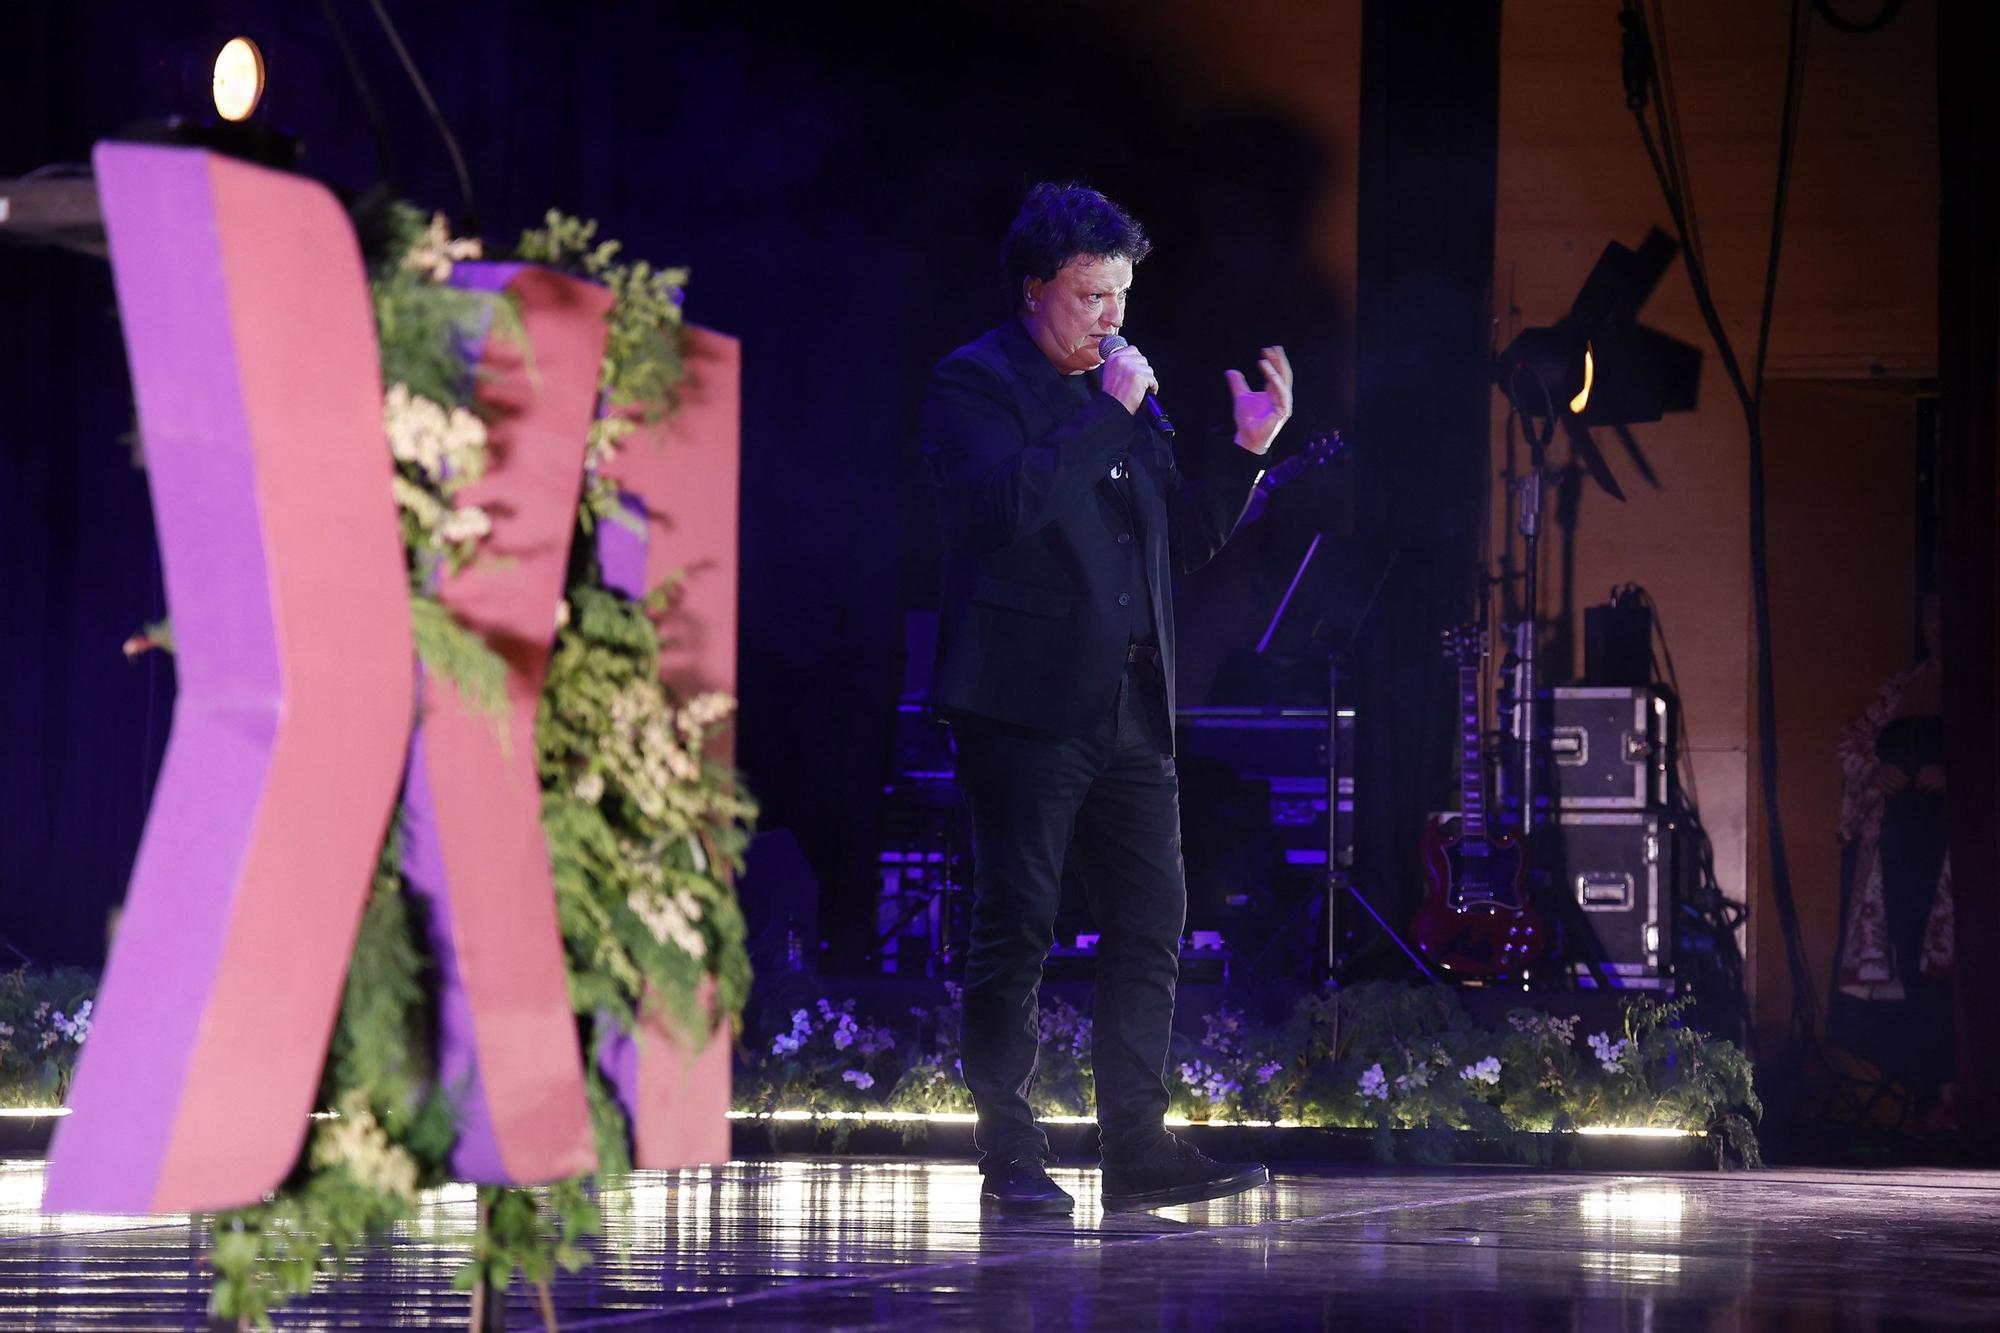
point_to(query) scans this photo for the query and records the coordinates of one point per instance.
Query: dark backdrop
(838, 182)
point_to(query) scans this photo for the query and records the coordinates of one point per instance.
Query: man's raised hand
(1260, 412)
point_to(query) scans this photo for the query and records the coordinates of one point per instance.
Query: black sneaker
(1022, 1186)
(1176, 1172)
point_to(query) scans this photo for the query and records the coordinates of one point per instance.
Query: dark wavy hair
(1056, 224)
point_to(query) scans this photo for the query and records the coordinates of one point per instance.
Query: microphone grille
(1108, 344)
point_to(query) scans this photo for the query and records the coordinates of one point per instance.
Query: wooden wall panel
(1856, 299)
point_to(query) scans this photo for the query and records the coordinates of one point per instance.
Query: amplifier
(1613, 865)
(1608, 748)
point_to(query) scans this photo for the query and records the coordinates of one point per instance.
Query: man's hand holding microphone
(1258, 414)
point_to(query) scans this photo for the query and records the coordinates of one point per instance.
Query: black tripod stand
(1339, 882)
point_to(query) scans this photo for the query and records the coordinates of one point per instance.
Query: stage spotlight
(1544, 367)
(1642, 374)
(1598, 359)
(217, 93)
(239, 79)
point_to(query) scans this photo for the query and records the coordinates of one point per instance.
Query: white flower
(590, 788)
(786, 1044)
(416, 429)
(468, 523)
(860, 1078)
(354, 1141)
(801, 1022)
(1374, 1084)
(842, 1039)
(667, 918)
(704, 711)
(1486, 1071)
(1562, 1029)
(1609, 1053)
(1419, 1076)
(464, 445)
(447, 445)
(434, 254)
(1268, 1071)
(876, 1040)
(6, 1030)
(1208, 1083)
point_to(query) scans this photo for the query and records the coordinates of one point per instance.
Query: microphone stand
(1528, 516)
(1528, 505)
(1528, 491)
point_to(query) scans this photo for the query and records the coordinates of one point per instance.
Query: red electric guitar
(1475, 921)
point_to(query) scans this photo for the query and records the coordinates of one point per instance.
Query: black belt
(1141, 652)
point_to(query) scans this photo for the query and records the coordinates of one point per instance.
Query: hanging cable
(469, 224)
(1641, 75)
(1670, 113)
(377, 127)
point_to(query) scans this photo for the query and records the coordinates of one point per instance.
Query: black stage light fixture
(1549, 372)
(1597, 365)
(217, 94)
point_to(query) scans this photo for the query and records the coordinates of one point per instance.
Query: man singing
(1064, 518)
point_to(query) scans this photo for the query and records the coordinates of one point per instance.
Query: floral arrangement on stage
(44, 1019)
(646, 831)
(1408, 1063)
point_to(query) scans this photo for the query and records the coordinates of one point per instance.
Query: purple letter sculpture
(252, 348)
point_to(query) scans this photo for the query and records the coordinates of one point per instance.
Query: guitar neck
(1320, 449)
(1471, 786)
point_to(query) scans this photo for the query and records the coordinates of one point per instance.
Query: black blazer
(1031, 630)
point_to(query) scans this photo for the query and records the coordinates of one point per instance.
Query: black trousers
(1111, 799)
(1915, 834)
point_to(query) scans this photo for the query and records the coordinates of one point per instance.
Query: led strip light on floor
(1178, 1122)
(967, 1118)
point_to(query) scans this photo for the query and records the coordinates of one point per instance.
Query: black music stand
(1337, 877)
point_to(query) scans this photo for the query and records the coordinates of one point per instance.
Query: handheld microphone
(1111, 343)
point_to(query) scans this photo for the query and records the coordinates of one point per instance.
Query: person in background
(1896, 938)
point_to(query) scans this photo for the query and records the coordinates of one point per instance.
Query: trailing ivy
(388, 1136)
(644, 349)
(646, 831)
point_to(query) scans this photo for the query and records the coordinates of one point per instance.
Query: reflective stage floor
(825, 1243)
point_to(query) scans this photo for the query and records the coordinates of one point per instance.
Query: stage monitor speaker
(1615, 870)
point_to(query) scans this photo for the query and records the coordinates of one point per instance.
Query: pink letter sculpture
(473, 840)
(252, 348)
(685, 468)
